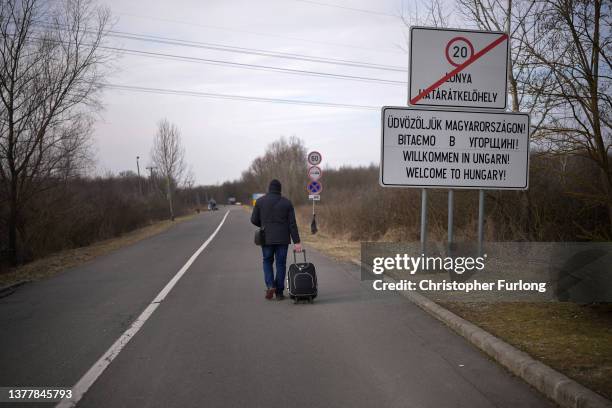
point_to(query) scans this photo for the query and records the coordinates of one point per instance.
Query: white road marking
(81, 387)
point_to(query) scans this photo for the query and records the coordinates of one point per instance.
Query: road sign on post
(314, 158)
(314, 187)
(315, 173)
(458, 68)
(454, 149)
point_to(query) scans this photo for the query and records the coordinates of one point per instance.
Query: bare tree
(417, 13)
(433, 14)
(508, 16)
(168, 155)
(285, 160)
(560, 73)
(571, 47)
(50, 73)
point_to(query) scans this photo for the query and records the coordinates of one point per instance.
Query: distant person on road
(275, 214)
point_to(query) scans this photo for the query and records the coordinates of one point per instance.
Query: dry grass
(58, 262)
(575, 340)
(340, 249)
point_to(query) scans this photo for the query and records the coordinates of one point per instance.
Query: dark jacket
(276, 214)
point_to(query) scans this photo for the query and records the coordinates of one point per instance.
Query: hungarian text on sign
(454, 149)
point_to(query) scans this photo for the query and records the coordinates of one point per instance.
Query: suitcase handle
(294, 258)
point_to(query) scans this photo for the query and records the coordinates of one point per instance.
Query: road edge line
(550, 382)
(90, 377)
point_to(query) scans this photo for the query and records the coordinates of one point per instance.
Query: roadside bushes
(284, 160)
(80, 211)
(564, 201)
(561, 205)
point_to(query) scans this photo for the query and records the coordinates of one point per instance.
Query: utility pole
(138, 170)
(151, 168)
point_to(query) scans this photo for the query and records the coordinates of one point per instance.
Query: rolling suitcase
(302, 280)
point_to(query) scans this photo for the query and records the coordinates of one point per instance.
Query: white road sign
(314, 197)
(314, 173)
(424, 147)
(458, 68)
(314, 158)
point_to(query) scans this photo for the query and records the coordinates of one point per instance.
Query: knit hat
(275, 186)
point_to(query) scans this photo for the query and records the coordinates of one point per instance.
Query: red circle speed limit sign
(458, 50)
(315, 173)
(314, 158)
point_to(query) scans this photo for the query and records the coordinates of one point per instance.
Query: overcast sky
(221, 137)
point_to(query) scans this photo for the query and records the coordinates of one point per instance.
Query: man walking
(275, 214)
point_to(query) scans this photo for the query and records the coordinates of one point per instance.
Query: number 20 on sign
(458, 68)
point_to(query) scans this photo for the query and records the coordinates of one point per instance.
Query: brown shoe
(270, 293)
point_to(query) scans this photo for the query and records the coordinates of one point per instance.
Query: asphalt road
(214, 341)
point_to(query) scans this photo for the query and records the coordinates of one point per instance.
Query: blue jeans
(270, 252)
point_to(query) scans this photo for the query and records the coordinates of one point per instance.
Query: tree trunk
(12, 223)
(524, 198)
(170, 199)
(606, 182)
(598, 136)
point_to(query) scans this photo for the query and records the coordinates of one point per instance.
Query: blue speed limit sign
(314, 187)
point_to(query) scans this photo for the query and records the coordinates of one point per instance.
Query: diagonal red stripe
(460, 68)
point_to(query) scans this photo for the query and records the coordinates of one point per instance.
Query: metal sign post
(481, 215)
(314, 187)
(455, 133)
(423, 221)
(313, 209)
(451, 208)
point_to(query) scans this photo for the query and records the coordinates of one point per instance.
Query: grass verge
(573, 339)
(60, 261)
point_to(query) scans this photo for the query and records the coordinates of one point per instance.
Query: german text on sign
(458, 68)
(454, 149)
